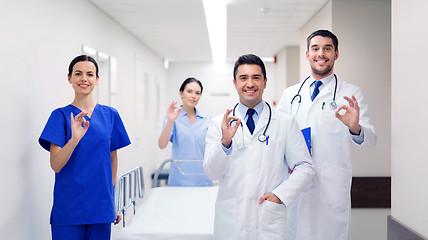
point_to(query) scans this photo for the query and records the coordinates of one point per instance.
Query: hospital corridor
(213, 119)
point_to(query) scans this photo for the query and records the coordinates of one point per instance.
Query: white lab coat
(323, 211)
(260, 168)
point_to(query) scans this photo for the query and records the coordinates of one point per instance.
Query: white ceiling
(176, 29)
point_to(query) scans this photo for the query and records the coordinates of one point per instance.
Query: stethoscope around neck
(298, 97)
(262, 137)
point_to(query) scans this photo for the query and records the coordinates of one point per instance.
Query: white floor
(369, 223)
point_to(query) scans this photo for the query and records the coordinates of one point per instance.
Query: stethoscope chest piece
(333, 105)
(262, 137)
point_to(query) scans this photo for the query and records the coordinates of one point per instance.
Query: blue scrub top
(83, 192)
(188, 142)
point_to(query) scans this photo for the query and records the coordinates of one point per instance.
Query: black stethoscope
(262, 137)
(332, 104)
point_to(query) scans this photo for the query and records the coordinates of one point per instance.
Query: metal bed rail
(129, 187)
(158, 171)
(176, 163)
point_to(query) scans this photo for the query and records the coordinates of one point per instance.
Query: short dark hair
(324, 33)
(249, 59)
(189, 80)
(82, 58)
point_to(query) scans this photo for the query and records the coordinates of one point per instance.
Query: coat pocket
(273, 153)
(272, 221)
(328, 122)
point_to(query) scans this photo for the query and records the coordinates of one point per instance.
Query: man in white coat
(323, 210)
(251, 160)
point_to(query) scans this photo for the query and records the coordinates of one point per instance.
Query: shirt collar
(324, 81)
(242, 109)
(197, 112)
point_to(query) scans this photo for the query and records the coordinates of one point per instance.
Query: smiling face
(83, 78)
(321, 56)
(191, 94)
(250, 84)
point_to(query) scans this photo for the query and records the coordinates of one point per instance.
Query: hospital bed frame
(158, 172)
(171, 160)
(179, 213)
(126, 188)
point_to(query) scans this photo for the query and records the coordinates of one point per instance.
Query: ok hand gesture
(77, 130)
(229, 130)
(172, 113)
(351, 117)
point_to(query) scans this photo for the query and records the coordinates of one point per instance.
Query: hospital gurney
(185, 167)
(173, 213)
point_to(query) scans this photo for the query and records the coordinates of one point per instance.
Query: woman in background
(185, 127)
(83, 138)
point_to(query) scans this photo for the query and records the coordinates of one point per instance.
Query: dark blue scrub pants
(100, 231)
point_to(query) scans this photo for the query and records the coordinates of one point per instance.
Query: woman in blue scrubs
(83, 139)
(185, 127)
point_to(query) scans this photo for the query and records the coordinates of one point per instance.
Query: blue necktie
(316, 89)
(250, 121)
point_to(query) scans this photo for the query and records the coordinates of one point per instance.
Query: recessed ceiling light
(263, 10)
(216, 18)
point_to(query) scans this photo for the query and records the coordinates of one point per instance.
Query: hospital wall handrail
(129, 187)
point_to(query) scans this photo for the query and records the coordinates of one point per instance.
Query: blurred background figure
(185, 127)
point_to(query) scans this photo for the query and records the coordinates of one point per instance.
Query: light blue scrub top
(188, 142)
(83, 192)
